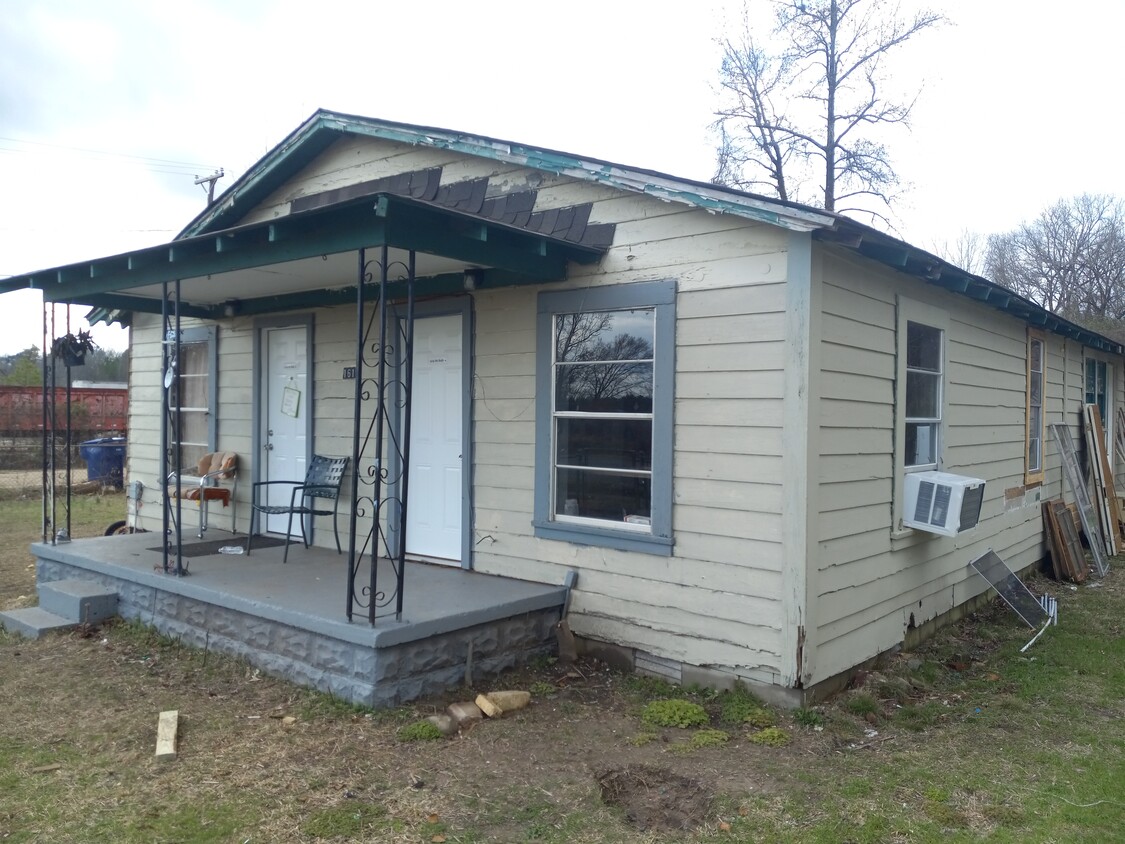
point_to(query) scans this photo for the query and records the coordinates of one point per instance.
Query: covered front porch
(288, 619)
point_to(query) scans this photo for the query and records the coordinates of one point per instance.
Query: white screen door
(285, 405)
(434, 505)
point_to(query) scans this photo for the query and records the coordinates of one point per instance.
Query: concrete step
(78, 600)
(33, 622)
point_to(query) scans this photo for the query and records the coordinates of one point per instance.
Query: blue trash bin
(105, 460)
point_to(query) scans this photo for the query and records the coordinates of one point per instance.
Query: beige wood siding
(717, 600)
(871, 583)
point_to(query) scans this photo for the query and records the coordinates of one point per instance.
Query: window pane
(608, 443)
(602, 495)
(921, 443)
(604, 335)
(193, 372)
(922, 395)
(604, 387)
(1036, 356)
(1035, 389)
(923, 347)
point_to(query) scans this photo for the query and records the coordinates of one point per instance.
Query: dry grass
(1011, 747)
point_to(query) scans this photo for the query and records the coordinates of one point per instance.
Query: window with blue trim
(603, 417)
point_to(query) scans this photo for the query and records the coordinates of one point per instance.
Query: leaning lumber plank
(1108, 529)
(1055, 544)
(1108, 488)
(166, 728)
(1074, 555)
(1054, 540)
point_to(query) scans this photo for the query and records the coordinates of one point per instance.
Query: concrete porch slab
(289, 619)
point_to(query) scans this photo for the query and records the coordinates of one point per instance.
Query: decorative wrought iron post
(171, 447)
(380, 451)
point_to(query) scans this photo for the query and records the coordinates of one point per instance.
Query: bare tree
(966, 251)
(1070, 259)
(815, 101)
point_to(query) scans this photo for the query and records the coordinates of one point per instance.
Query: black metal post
(48, 491)
(179, 437)
(164, 361)
(69, 445)
(380, 418)
(408, 380)
(356, 405)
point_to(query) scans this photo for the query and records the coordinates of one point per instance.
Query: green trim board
(324, 128)
(507, 254)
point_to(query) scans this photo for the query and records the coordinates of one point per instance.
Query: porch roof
(307, 258)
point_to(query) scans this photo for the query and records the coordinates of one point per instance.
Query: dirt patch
(656, 799)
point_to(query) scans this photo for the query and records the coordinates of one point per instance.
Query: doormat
(206, 549)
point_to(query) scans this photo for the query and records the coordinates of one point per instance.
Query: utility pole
(210, 182)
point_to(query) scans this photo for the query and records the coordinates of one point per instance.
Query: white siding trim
(801, 362)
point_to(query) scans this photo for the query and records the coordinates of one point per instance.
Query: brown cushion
(224, 461)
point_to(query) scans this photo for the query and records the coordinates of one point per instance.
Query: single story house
(704, 403)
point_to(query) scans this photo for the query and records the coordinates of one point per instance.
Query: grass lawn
(965, 739)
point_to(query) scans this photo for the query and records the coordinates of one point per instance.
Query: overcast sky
(108, 110)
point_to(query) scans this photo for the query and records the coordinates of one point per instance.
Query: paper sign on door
(291, 401)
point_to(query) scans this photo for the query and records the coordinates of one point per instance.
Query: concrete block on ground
(78, 600)
(510, 701)
(444, 722)
(465, 713)
(33, 622)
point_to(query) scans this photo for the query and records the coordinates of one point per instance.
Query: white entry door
(434, 503)
(285, 405)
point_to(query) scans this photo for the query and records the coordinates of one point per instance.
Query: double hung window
(924, 371)
(1036, 368)
(603, 428)
(920, 395)
(195, 396)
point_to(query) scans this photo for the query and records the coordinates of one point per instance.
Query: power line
(156, 164)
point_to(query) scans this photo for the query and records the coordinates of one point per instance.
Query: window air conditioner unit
(939, 502)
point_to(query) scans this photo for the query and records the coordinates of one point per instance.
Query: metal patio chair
(322, 480)
(212, 473)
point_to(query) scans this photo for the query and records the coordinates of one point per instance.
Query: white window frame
(205, 337)
(1036, 474)
(1106, 390)
(908, 311)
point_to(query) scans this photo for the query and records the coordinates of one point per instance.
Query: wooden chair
(207, 485)
(322, 480)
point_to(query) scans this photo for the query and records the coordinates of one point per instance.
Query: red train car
(93, 409)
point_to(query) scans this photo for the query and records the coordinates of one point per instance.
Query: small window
(1036, 367)
(192, 403)
(1099, 376)
(923, 395)
(605, 376)
(920, 396)
(1097, 388)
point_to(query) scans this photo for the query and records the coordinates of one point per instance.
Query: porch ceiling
(309, 258)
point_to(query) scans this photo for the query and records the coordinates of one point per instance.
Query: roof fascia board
(323, 128)
(901, 256)
(661, 186)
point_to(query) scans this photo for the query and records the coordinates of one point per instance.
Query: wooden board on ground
(1081, 493)
(1095, 473)
(1054, 541)
(1064, 540)
(1108, 488)
(166, 728)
